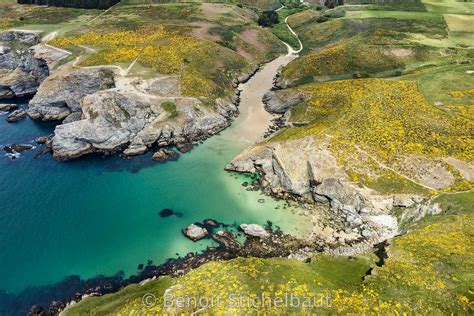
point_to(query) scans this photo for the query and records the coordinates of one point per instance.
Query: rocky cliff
(21, 71)
(86, 4)
(104, 111)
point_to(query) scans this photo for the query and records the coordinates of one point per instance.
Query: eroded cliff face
(105, 112)
(355, 218)
(21, 71)
(307, 168)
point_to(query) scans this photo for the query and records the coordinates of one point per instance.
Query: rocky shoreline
(103, 111)
(269, 243)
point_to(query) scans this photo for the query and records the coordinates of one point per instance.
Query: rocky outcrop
(163, 155)
(274, 104)
(195, 232)
(306, 170)
(113, 121)
(61, 93)
(20, 71)
(8, 107)
(16, 116)
(254, 230)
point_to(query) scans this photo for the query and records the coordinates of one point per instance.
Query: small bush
(168, 106)
(268, 18)
(322, 19)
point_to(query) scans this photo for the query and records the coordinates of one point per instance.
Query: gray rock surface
(274, 104)
(113, 120)
(254, 230)
(16, 116)
(8, 107)
(195, 232)
(20, 71)
(61, 93)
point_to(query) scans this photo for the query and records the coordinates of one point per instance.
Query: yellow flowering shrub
(384, 119)
(197, 62)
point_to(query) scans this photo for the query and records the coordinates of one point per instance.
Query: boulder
(184, 147)
(8, 107)
(274, 104)
(17, 148)
(195, 232)
(254, 230)
(163, 155)
(16, 116)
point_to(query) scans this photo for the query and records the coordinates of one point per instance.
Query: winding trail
(291, 50)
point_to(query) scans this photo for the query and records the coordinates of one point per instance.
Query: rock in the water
(254, 230)
(184, 147)
(19, 148)
(195, 232)
(164, 154)
(227, 240)
(208, 222)
(166, 212)
(43, 139)
(16, 116)
(8, 107)
(14, 150)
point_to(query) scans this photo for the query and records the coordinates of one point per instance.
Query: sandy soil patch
(251, 37)
(201, 31)
(398, 52)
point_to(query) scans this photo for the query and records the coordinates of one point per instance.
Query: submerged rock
(167, 212)
(254, 230)
(163, 155)
(227, 240)
(195, 232)
(184, 147)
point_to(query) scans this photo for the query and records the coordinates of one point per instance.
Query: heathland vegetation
(388, 85)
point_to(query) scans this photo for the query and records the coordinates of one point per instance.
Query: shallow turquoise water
(99, 216)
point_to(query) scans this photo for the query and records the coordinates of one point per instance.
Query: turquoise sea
(99, 215)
